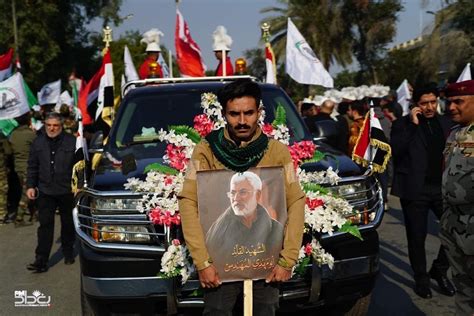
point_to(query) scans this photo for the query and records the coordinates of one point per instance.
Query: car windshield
(144, 115)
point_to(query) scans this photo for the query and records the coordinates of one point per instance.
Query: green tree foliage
(322, 24)
(52, 37)
(345, 78)
(256, 63)
(399, 65)
(449, 47)
(372, 25)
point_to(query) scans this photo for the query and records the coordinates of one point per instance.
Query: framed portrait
(243, 216)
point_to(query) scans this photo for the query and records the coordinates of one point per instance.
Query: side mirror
(96, 144)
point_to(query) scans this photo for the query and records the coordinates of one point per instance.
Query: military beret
(460, 88)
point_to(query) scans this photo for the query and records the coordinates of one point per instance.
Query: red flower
(267, 129)
(314, 203)
(168, 180)
(300, 151)
(203, 124)
(176, 242)
(176, 156)
(159, 217)
(308, 249)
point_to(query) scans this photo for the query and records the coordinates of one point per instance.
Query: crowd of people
(36, 162)
(422, 152)
(37, 158)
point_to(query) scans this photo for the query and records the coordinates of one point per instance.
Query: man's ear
(258, 195)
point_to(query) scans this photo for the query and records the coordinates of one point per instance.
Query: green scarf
(238, 159)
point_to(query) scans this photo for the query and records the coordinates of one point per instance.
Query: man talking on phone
(417, 141)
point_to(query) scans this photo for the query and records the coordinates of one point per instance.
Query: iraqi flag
(372, 147)
(188, 53)
(90, 93)
(6, 64)
(270, 63)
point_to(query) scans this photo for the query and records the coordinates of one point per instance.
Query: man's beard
(246, 209)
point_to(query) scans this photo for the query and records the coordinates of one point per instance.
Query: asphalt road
(393, 294)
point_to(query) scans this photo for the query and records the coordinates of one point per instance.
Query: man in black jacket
(49, 172)
(417, 142)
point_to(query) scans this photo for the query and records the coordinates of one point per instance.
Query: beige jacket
(277, 154)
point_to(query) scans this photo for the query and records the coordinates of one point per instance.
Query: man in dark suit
(417, 142)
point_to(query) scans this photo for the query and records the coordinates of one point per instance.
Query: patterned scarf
(238, 159)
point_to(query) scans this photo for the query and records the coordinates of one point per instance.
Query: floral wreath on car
(324, 212)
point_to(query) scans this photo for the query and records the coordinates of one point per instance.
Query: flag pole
(224, 63)
(370, 167)
(170, 62)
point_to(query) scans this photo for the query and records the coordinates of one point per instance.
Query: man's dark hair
(342, 107)
(417, 93)
(359, 106)
(306, 106)
(237, 89)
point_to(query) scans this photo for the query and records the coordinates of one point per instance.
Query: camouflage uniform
(457, 222)
(3, 177)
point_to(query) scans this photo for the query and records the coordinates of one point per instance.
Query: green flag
(29, 95)
(7, 126)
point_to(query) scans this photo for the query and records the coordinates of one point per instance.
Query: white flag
(50, 93)
(301, 62)
(65, 98)
(466, 73)
(130, 70)
(13, 100)
(164, 67)
(404, 96)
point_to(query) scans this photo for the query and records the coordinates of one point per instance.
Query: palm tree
(371, 25)
(320, 22)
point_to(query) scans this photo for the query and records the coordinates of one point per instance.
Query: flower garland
(324, 212)
(176, 262)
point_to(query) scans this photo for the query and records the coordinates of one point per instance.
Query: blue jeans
(221, 301)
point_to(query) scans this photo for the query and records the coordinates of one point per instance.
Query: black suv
(121, 250)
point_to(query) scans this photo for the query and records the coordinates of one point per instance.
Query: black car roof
(185, 86)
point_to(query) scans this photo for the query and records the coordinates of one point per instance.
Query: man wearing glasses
(245, 220)
(457, 222)
(417, 142)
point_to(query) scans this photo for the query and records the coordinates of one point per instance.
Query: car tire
(360, 306)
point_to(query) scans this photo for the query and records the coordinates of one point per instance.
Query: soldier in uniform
(457, 222)
(20, 140)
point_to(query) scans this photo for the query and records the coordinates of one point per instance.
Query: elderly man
(49, 172)
(245, 222)
(238, 147)
(417, 142)
(457, 223)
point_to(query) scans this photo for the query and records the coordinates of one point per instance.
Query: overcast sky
(242, 20)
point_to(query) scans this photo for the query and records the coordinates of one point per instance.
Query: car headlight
(111, 233)
(351, 191)
(361, 199)
(101, 205)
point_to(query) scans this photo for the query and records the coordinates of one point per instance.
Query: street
(393, 294)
